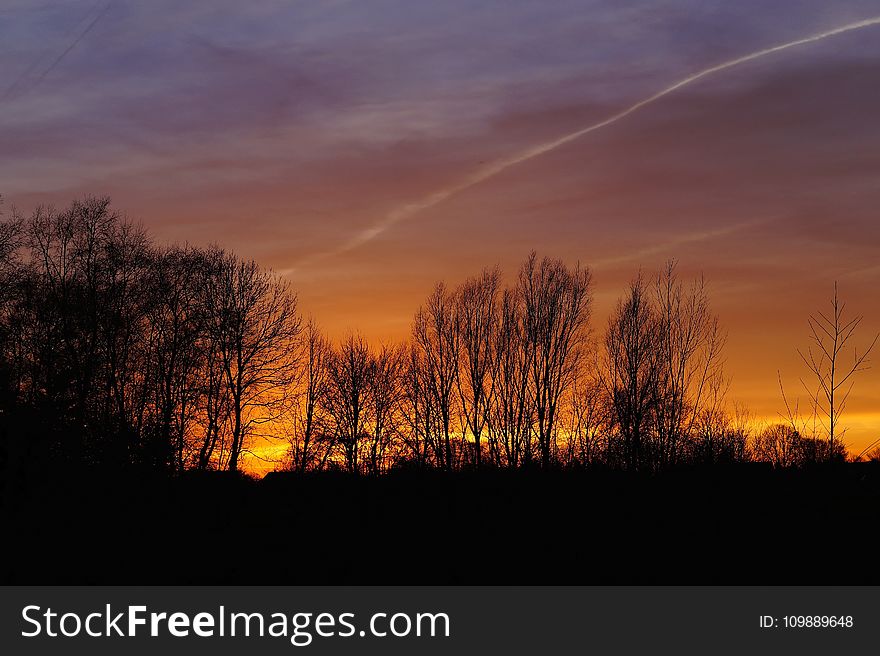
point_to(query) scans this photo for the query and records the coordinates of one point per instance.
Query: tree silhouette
(476, 324)
(386, 391)
(116, 351)
(311, 431)
(348, 396)
(438, 340)
(631, 370)
(177, 322)
(557, 303)
(416, 408)
(253, 321)
(830, 337)
(511, 415)
(689, 347)
(10, 272)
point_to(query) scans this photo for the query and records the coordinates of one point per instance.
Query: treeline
(118, 351)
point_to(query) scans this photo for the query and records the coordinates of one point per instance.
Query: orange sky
(286, 130)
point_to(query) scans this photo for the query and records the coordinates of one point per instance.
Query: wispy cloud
(672, 246)
(492, 169)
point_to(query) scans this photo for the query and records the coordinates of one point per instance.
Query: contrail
(688, 238)
(58, 59)
(494, 168)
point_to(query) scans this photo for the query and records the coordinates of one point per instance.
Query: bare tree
(631, 371)
(588, 428)
(10, 272)
(60, 302)
(348, 397)
(385, 394)
(125, 299)
(10, 241)
(85, 300)
(254, 323)
(557, 303)
(435, 334)
(309, 442)
(476, 320)
(511, 412)
(215, 411)
(690, 377)
(777, 445)
(834, 375)
(416, 407)
(176, 360)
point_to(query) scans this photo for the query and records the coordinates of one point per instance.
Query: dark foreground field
(739, 525)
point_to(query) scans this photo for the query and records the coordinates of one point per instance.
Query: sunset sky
(358, 147)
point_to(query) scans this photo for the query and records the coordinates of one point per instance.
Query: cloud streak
(20, 81)
(683, 240)
(492, 169)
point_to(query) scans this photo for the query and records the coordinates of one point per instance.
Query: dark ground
(737, 525)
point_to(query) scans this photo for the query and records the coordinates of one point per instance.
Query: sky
(366, 149)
